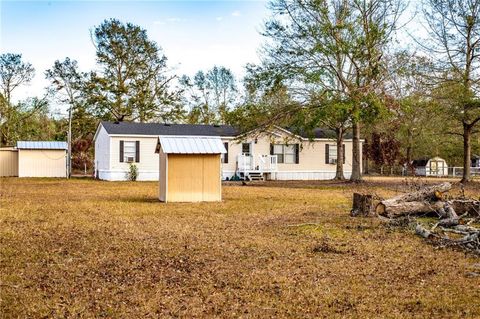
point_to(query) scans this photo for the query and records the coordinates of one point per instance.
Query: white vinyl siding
(148, 158)
(102, 150)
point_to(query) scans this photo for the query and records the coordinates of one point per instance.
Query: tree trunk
(467, 149)
(397, 209)
(366, 166)
(339, 170)
(409, 148)
(423, 201)
(433, 192)
(362, 205)
(356, 154)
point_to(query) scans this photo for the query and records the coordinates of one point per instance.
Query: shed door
(8, 163)
(193, 178)
(437, 168)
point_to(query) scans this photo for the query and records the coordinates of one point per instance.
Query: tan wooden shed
(42, 159)
(190, 168)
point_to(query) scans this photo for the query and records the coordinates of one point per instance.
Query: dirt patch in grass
(84, 248)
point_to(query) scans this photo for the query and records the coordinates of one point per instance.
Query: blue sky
(195, 35)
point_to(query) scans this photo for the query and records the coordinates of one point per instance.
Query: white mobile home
(278, 154)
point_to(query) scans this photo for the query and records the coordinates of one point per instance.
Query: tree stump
(362, 205)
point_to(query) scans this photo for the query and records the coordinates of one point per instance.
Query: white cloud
(236, 13)
(219, 18)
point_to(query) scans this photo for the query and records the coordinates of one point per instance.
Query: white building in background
(434, 166)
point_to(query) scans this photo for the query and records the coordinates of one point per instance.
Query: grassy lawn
(84, 248)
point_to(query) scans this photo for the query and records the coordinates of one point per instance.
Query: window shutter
(271, 149)
(137, 151)
(121, 152)
(225, 156)
(343, 149)
(327, 153)
(297, 153)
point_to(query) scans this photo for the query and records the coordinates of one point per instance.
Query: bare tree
(14, 73)
(67, 83)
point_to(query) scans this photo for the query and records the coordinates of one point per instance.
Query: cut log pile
(458, 222)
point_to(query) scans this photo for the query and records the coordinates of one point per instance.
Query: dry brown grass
(84, 248)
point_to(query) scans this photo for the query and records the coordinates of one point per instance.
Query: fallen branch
(422, 231)
(454, 216)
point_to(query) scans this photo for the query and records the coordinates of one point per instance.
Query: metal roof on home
(131, 128)
(41, 145)
(192, 145)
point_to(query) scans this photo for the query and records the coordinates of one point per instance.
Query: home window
(332, 154)
(225, 156)
(286, 154)
(246, 149)
(129, 151)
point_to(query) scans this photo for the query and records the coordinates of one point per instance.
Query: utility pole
(69, 141)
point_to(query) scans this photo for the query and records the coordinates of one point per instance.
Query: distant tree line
(329, 63)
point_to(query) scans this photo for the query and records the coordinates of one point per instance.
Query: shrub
(132, 172)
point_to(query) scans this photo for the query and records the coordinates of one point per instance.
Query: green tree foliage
(209, 96)
(331, 53)
(132, 82)
(453, 42)
(412, 112)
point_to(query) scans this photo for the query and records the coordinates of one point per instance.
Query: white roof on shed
(191, 145)
(42, 145)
